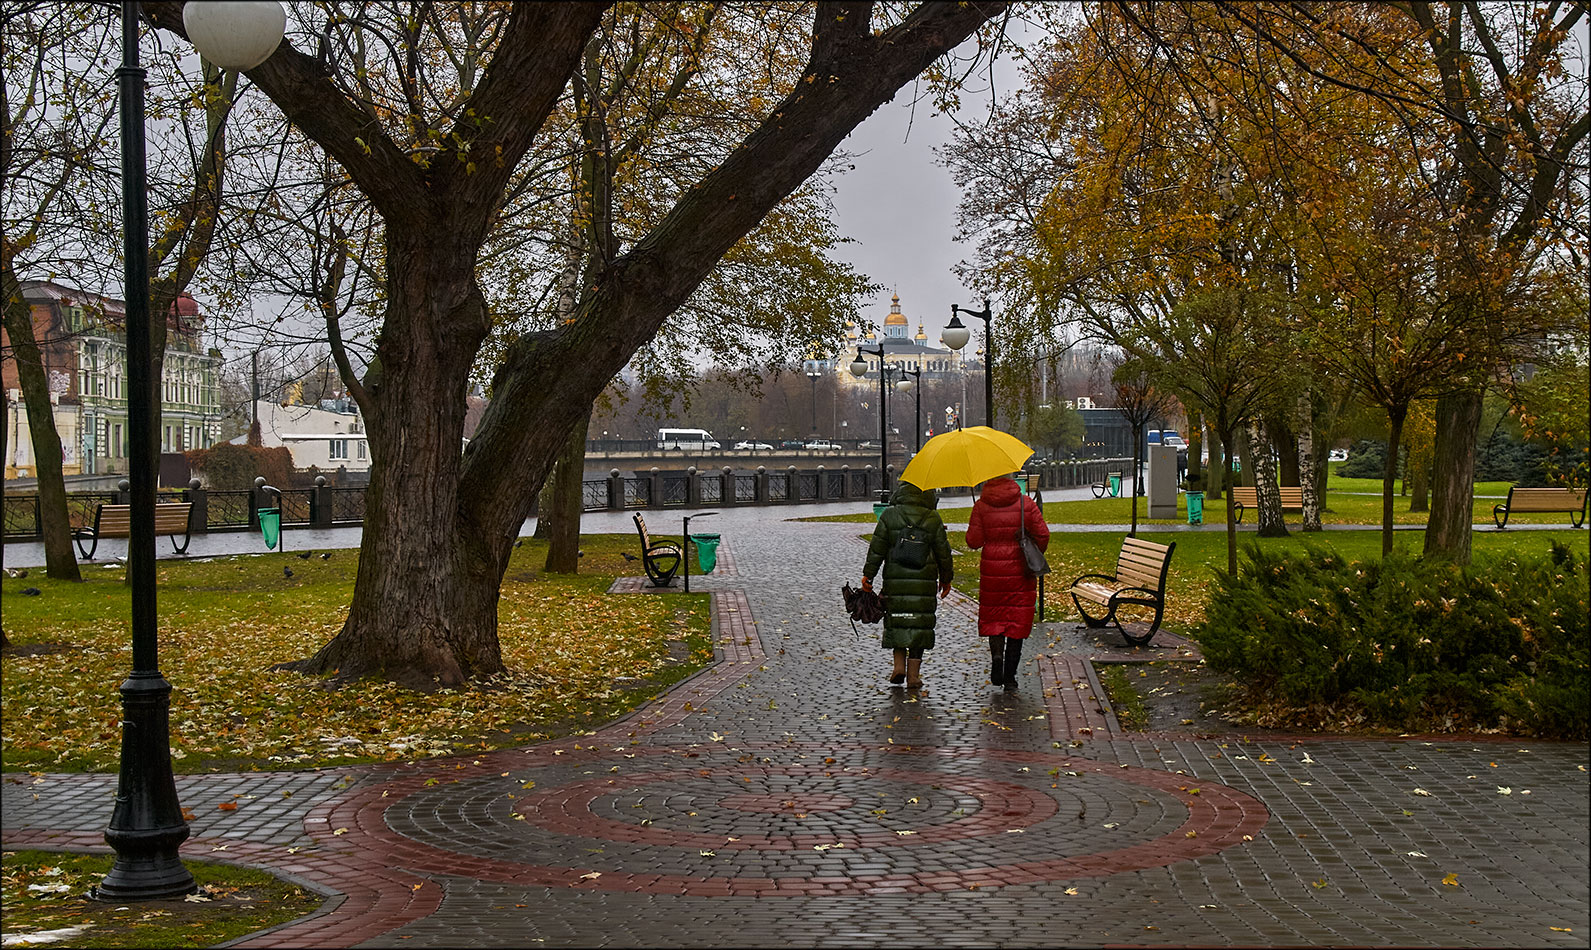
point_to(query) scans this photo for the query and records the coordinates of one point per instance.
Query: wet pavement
(789, 796)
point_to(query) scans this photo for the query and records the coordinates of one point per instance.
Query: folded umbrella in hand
(864, 606)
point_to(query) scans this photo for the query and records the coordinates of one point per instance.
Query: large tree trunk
(1267, 497)
(60, 561)
(416, 553)
(1389, 473)
(1447, 533)
(1308, 470)
(440, 525)
(568, 500)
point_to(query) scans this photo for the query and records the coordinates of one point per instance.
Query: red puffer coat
(1006, 593)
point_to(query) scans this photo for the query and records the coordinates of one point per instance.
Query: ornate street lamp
(146, 826)
(912, 381)
(859, 369)
(956, 336)
(814, 370)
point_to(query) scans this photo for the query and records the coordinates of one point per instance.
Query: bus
(694, 440)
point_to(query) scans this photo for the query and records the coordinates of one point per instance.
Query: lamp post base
(147, 866)
(146, 825)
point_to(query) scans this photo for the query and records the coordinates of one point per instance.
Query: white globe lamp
(233, 34)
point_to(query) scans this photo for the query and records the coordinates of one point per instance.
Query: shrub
(1410, 644)
(229, 467)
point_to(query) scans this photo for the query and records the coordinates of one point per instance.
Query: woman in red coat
(1006, 591)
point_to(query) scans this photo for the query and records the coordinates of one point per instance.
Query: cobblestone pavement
(788, 796)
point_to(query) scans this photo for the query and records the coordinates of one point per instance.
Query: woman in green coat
(912, 572)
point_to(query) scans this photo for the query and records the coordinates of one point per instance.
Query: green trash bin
(1115, 485)
(878, 510)
(271, 526)
(706, 551)
(1195, 507)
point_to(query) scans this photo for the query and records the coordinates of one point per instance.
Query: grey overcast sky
(899, 206)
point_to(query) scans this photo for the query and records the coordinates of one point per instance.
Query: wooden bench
(116, 521)
(1101, 488)
(1571, 500)
(661, 559)
(1248, 497)
(1139, 581)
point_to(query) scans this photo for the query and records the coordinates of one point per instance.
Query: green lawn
(577, 657)
(45, 893)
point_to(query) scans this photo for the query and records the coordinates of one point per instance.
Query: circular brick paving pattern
(851, 821)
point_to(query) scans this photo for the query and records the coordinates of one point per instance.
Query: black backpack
(914, 548)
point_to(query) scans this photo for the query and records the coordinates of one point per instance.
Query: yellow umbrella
(966, 457)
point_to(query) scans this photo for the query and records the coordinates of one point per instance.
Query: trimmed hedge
(1410, 644)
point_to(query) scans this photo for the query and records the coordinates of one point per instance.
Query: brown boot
(898, 674)
(914, 674)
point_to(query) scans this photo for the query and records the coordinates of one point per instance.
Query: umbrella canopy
(966, 457)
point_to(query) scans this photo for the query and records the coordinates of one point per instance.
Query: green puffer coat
(910, 596)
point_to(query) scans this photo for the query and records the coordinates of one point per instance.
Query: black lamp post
(859, 369)
(814, 370)
(915, 383)
(956, 336)
(146, 826)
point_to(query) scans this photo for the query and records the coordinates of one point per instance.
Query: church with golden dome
(901, 348)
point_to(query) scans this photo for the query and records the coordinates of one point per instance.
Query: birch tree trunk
(1307, 469)
(1267, 495)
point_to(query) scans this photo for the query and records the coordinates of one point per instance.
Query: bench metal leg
(661, 567)
(1090, 620)
(183, 549)
(1503, 521)
(1139, 641)
(77, 538)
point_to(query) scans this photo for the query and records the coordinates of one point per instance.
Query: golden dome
(920, 334)
(895, 318)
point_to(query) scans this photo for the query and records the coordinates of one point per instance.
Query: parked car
(793, 444)
(820, 445)
(753, 446)
(1337, 455)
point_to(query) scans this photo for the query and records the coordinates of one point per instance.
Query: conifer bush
(1410, 644)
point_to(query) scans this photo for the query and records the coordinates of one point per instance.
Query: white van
(693, 440)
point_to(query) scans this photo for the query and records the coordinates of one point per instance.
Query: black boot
(1013, 657)
(997, 660)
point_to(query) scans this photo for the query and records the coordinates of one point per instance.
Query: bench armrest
(1127, 590)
